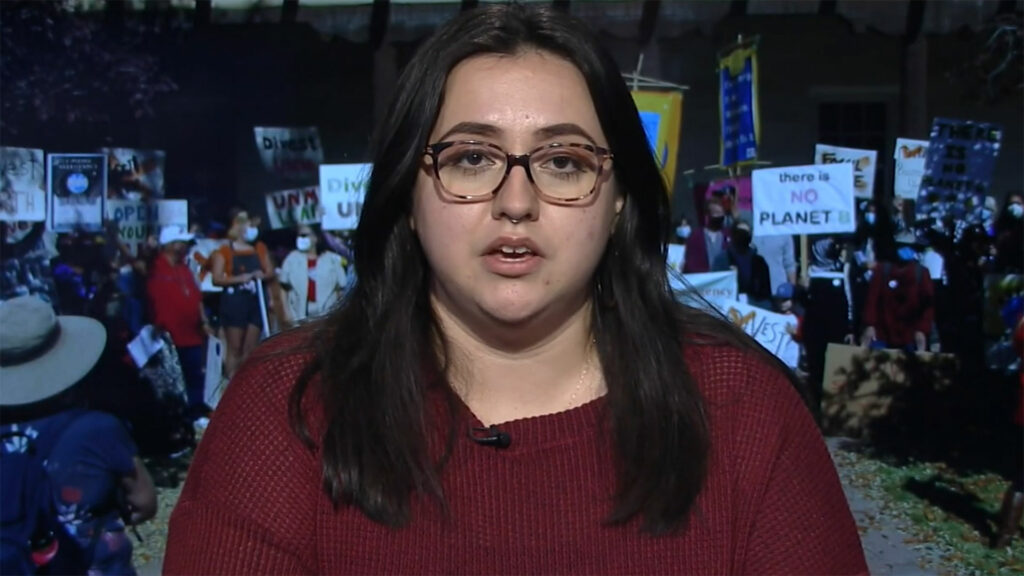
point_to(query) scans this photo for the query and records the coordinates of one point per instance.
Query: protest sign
(738, 106)
(77, 187)
(662, 116)
(342, 188)
(22, 185)
(134, 174)
(910, 160)
(715, 288)
(289, 208)
(768, 329)
(864, 163)
(133, 218)
(171, 213)
(796, 200)
(213, 387)
(957, 176)
(676, 257)
(290, 152)
(735, 194)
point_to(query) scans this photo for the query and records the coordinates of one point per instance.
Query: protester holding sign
(237, 266)
(176, 305)
(511, 387)
(312, 278)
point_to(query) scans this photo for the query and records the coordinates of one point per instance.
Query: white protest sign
(76, 187)
(342, 188)
(714, 287)
(864, 163)
(133, 218)
(768, 329)
(910, 158)
(676, 257)
(214, 386)
(289, 208)
(797, 200)
(171, 213)
(291, 152)
(23, 193)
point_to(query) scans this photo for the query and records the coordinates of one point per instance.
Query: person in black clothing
(751, 268)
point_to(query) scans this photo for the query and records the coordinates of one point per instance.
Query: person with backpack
(899, 307)
(71, 477)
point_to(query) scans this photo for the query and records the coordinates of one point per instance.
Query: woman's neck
(502, 379)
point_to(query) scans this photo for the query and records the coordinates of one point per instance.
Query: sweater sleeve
(801, 521)
(249, 503)
(871, 300)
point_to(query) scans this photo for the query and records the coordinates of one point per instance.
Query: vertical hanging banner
(735, 195)
(77, 188)
(293, 153)
(864, 163)
(342, 188)
(795, 200)
(134, 174)
(662, 116)
(910, 156)
(22, 185)
(958, 172)
(738, 107)
(289, 208)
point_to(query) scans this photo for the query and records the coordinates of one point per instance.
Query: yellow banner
(662, 117)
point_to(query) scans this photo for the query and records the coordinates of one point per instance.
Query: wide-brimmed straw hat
(42, 354)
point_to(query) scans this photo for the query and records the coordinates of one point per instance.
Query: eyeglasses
(470, 170)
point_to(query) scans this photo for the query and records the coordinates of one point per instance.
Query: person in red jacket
(511, 386)
(176, 305)
(899, 308)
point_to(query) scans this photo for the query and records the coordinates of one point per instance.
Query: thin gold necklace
(583, 376)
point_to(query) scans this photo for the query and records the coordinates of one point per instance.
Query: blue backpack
(32, 539)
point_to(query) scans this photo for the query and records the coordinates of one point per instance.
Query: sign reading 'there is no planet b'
(815, 199)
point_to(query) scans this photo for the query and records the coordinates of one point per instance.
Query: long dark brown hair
(374, 354)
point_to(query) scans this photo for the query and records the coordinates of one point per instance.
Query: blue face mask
(683, 232)
(870, 218)
(906, 254)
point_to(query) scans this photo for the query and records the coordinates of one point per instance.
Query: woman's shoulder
(740, 382)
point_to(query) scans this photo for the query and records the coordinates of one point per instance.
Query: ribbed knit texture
(253, 502)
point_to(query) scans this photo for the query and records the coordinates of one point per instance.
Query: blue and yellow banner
(662, 117)
(738, 109)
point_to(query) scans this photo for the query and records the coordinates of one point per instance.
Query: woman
(510, 386)
(237, 266)
(752, 275)
(313, 279)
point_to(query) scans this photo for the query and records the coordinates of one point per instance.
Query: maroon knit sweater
(253, 502)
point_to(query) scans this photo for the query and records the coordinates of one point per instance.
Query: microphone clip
(490, 436)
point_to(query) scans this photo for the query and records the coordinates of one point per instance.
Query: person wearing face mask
(313, 279)
(899, 309)
(705, 244)
(752, 274)
(683, 231)
(176, 306)
(237, 266)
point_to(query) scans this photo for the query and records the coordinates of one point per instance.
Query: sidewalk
(881, 535)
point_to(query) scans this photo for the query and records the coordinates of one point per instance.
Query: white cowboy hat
(42, 354)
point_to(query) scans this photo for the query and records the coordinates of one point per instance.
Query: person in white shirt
(313, 281)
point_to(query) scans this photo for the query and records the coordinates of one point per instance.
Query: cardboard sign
(134, 220)
(662, 116)
(290, 152)
(860, 385)
(22, 185)
(77, 187)
(342, 188)
(795, 200)
(768, 329)
(289, 208)
(958, 172)
(910, 158)
(864, 163)
(134, 174)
